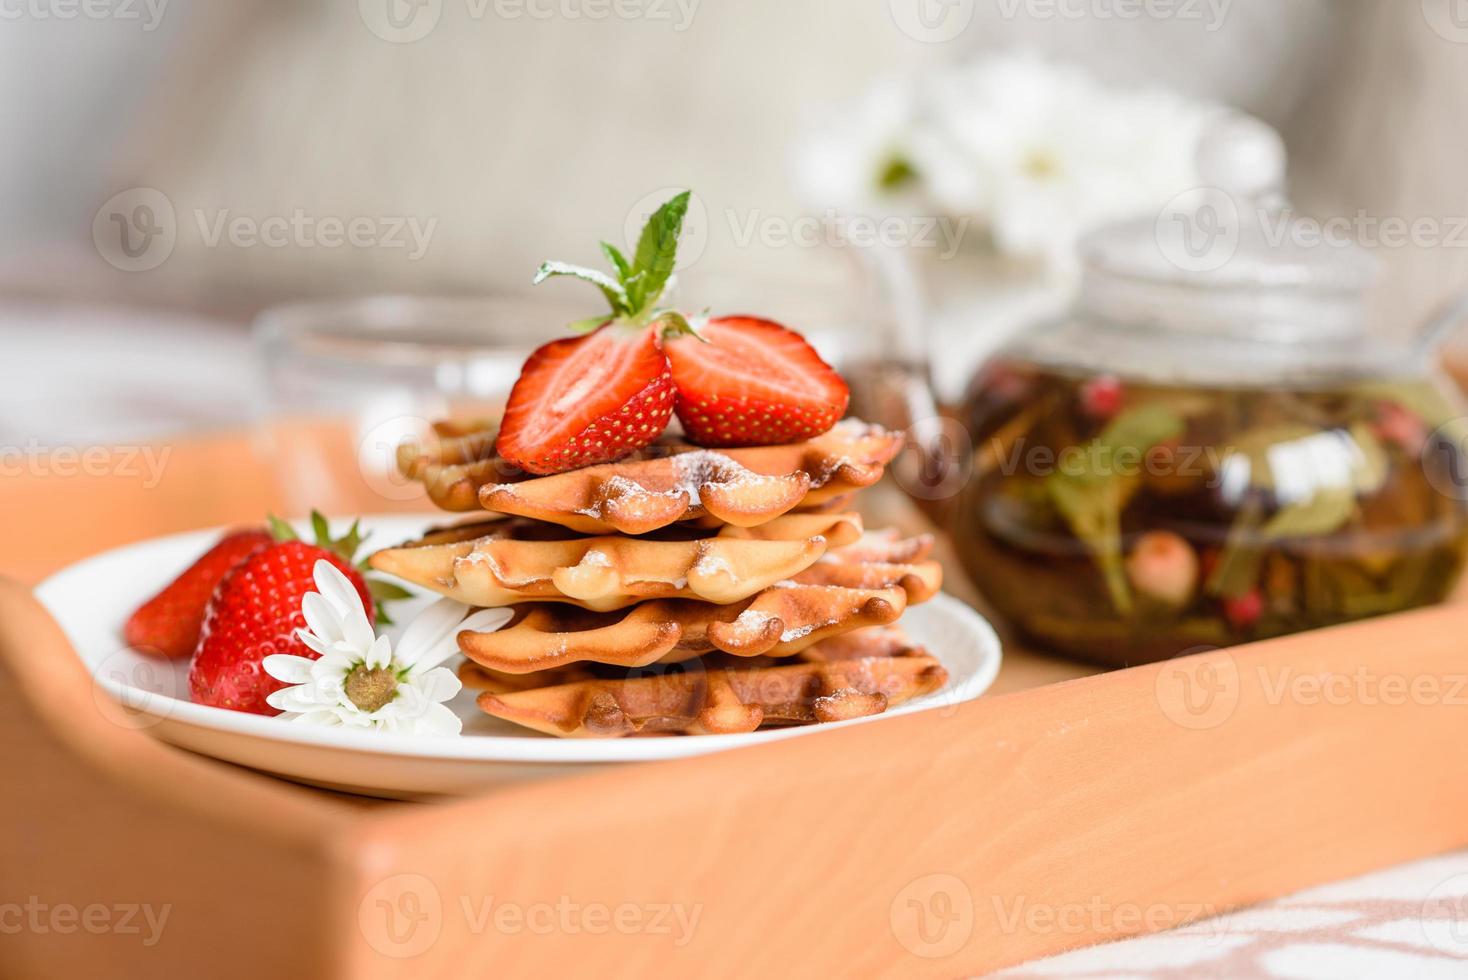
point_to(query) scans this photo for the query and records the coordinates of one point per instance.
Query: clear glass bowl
(343, 383)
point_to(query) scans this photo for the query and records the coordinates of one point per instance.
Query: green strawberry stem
(637, 286)
(346, 548)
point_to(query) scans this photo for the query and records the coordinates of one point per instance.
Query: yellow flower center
(370, 689)
(1041, 165)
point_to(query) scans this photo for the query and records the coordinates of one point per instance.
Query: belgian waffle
(849, 588)
(720, 700)
(500, 563)
(669, 482)
(874, 641)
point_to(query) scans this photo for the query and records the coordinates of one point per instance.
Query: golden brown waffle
(846, 590)
(874, 641)
(719, 701)
(877, 641)
(500, 563)
(664, 484)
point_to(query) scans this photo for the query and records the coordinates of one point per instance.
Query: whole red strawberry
(256, 611)
(596, 398)
(744, 381)
(168, 624)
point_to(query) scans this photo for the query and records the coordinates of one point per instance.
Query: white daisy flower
(360, 681)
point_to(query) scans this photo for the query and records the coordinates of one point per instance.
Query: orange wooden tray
(1061, 813)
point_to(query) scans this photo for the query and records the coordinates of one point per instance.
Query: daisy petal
(409, 702)
(356, 630)
(322, 618)
(429, 629)
(333, 584)
(483, 621)
(312, 641)
(287, 668)
(439, 720)
(487, 620)
(379, 654)
(439, 684)
(297, 698)
(319, 717)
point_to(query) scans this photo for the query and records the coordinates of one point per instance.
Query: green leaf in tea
(1095, 485)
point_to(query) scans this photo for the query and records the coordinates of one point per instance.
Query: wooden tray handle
(94, 811)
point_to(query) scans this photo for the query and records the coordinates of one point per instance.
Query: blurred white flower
(359, 681)
(1036, 153)
(847, 154)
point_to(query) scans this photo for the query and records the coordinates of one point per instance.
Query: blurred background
(171, 168)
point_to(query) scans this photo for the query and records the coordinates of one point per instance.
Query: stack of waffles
(680, 591)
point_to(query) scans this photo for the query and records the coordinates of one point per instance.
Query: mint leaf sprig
(637, 286)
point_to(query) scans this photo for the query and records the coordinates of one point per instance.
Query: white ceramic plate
(93, 598)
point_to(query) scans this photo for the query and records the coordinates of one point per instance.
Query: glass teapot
(1207, 448)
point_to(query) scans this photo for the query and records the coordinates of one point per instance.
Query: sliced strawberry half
(753, 383)
(587, 400)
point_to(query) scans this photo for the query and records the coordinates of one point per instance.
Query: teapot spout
(891, 380)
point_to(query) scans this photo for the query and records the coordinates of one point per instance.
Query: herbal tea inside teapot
(1128, 520)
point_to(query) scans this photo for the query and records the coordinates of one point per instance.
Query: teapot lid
(1230, 259)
